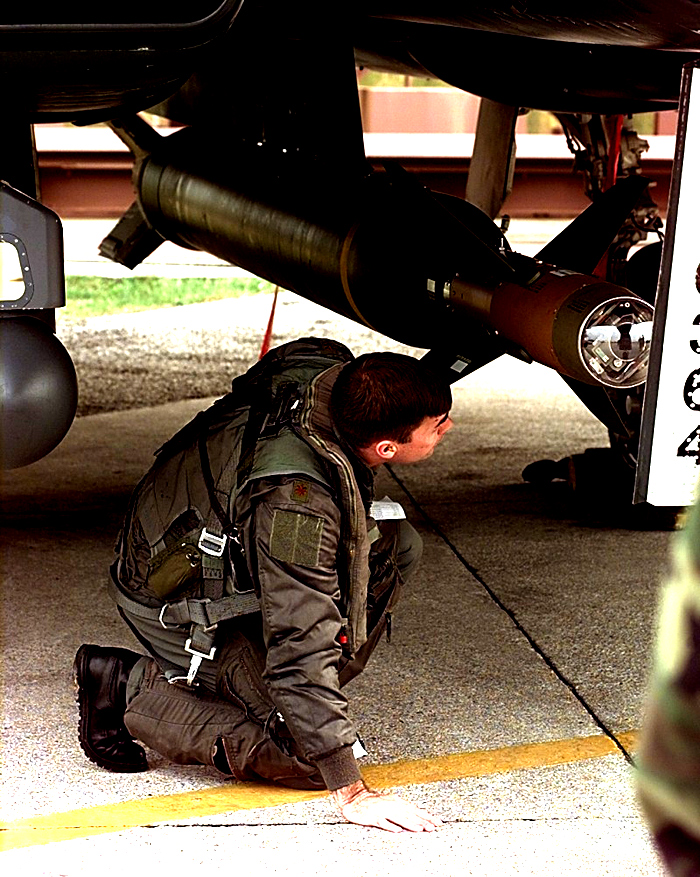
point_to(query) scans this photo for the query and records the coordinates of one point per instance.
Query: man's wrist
(347, 794)
(339, 769)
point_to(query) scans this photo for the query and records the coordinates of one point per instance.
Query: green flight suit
(269, 704)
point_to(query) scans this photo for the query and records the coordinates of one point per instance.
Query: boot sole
(80, 670)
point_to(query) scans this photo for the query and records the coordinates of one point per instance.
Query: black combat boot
(100, 676)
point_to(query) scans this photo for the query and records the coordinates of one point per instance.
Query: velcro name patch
(296, 538)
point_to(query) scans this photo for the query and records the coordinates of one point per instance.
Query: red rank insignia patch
(300, 491)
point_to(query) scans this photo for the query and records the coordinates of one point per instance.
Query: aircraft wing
(270, 174)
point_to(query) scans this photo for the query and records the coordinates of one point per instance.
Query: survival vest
(182, 512)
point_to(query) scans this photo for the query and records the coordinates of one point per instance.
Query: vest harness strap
(204, 614)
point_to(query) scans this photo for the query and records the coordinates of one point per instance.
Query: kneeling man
(251, 571)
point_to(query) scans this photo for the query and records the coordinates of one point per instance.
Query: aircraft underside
(272, 176)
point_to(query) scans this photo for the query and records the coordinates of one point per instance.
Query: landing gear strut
(607, 149)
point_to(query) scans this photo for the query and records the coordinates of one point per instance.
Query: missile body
(417, 266)
(588, 329)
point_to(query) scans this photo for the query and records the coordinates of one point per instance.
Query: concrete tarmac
(525, 626)
(506, 702)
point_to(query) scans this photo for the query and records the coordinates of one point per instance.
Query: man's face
(424, 439)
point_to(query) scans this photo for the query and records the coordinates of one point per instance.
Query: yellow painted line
(229, 798)
(493, 761)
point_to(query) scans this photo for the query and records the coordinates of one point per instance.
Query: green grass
(96, 296)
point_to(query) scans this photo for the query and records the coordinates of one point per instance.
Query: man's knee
(409, 549)
(181, 724)
(194, 726)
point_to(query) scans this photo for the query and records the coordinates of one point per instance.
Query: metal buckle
(212, 544)
(163, 623)
(196, 660)
(191, 651)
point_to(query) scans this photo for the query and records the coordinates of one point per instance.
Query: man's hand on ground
(361, 805)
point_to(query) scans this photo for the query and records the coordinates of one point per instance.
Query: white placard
(670, 444)
(387, 510)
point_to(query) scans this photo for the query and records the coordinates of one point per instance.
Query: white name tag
(387, 510)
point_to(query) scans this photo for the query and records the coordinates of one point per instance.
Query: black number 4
(690, 446)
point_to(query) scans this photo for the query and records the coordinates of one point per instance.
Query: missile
(581, 326)
(418, 266)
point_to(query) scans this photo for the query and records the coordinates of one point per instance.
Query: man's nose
(446, 426)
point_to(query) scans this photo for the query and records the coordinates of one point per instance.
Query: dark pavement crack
(534, 645)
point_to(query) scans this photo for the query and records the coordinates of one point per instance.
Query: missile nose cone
(38, 391)
(616, 340)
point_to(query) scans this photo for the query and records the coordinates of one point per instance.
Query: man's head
(390, 408)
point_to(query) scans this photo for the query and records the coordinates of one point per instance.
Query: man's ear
(385, 450)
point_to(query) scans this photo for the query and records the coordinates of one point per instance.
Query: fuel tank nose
(38, 391)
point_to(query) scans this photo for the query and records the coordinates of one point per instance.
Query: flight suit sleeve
(668, 775)
(291, 538)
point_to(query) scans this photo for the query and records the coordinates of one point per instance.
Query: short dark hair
(386, 396)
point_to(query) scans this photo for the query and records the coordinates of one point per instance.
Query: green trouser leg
(194, 726)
